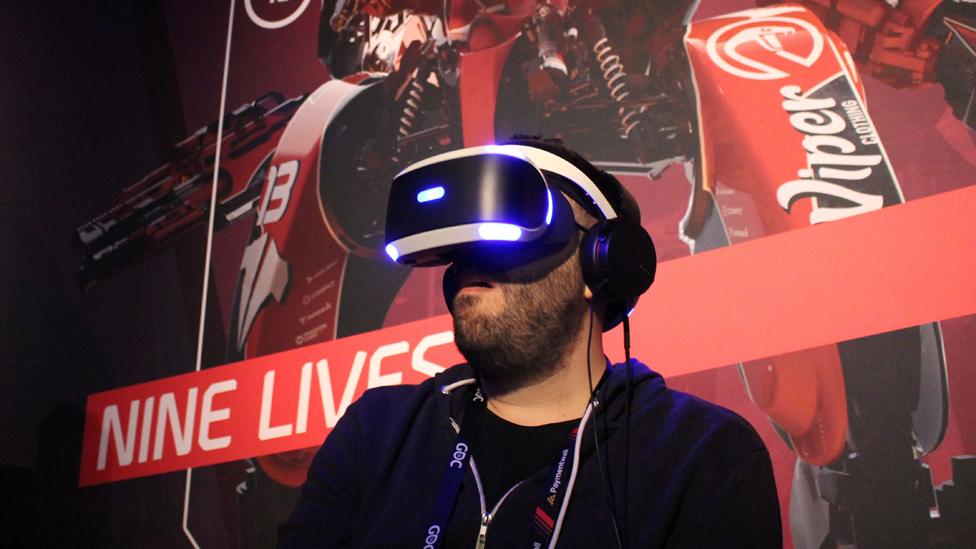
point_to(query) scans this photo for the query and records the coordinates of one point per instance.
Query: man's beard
(529, 339)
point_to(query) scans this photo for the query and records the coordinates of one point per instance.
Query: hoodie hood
(611, 391)
(645, 382)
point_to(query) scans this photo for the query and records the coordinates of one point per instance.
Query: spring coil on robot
(411, 108)
(616, 81)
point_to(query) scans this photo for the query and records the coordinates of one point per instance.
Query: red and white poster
(807, 171)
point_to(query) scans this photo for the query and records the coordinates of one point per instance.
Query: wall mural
(745, 131)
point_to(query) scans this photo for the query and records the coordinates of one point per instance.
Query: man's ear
(597, 306)
(449, 284)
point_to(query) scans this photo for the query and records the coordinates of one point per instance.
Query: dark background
(89, 100)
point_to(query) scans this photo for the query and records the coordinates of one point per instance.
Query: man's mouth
(474, 282)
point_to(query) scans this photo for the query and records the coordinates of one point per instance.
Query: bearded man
(537, 440)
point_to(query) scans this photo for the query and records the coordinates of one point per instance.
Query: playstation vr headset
(504, 205)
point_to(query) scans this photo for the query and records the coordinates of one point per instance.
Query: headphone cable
(627, 405)
(604, 470)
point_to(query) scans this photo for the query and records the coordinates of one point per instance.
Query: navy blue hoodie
(699, 476)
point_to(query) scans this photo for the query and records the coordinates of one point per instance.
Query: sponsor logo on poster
(767, 47)
(846, 173)
(267, 13)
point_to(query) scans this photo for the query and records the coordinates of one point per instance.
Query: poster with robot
(765, 145)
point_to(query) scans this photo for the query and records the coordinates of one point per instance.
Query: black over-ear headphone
(617, 255)
(618, 260)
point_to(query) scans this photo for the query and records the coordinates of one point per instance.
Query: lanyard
(544, 516)
(457, 461)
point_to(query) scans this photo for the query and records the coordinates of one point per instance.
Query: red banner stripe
(902, 266)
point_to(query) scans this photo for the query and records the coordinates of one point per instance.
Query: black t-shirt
(507, 453)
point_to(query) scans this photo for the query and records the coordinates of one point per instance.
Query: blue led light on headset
(430, 194)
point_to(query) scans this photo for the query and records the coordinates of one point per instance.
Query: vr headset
(502, 205)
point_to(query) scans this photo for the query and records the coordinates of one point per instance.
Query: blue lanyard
(457, 462)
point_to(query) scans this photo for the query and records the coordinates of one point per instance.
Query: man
(537, 440)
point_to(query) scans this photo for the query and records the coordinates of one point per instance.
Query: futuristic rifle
(174, 199)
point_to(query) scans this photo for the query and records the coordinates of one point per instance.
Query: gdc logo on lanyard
(433, 533)
(460, 451)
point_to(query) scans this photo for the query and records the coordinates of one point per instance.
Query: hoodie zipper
(486, 516)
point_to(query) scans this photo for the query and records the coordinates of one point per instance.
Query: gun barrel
(174, 199)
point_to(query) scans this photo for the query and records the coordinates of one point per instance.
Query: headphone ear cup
(618, 260)
(589, 260)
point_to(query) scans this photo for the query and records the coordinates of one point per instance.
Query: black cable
(627, 404)
(605, 476)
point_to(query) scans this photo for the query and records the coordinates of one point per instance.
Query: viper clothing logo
(846, 172)
(766, 46)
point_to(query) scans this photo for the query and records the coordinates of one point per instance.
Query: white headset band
(541, 159)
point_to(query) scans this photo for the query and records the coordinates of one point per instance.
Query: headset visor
(492, 203)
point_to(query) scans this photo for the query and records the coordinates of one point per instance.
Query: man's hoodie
(697, 475)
